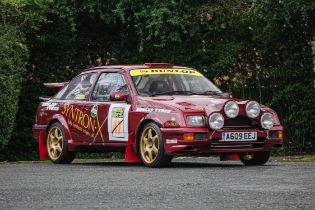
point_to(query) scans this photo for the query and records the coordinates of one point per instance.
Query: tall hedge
(13, 58)
(19, 20)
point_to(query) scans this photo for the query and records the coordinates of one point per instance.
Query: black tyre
(254, 158)
(151, 147)
(57, 145)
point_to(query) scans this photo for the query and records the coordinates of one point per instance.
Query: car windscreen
(152, 82)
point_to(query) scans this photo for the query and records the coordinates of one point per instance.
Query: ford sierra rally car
(152, 112)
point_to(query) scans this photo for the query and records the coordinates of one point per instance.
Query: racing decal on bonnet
(118, 122)
(139, 72)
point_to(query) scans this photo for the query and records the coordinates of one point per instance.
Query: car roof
(134, 66)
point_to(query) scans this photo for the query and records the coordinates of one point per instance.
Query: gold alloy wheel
(149, 144)
(54, 143)
(248, 156)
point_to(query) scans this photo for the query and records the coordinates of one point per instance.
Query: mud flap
(43, 155)
(131, 155)
(226, 157)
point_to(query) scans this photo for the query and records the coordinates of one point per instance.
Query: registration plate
(239, 136)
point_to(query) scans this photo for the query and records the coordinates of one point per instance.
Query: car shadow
(181, 164)
(204, 165)
(110, 164)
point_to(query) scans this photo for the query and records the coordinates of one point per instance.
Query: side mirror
(118, 96)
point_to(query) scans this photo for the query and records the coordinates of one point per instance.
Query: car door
(73, 99)
(111, 118)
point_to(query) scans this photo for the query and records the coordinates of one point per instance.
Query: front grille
(200, 136)
(240, 122)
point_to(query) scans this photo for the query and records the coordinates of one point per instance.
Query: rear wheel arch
(50, 124)
(57, 144)
(60, 119)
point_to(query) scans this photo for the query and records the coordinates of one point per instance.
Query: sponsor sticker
(94, 111)
(167, 111)
(140, 72)
(118, 122)
(50, 106)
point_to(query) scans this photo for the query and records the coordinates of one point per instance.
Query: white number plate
(239, 136)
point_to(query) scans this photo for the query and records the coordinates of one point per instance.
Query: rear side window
(79, 88)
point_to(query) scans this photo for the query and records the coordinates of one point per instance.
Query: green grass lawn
(295, 158)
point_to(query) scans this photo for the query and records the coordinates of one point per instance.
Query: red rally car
(153, 112)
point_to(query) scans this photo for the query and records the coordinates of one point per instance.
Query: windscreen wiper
(212, 92)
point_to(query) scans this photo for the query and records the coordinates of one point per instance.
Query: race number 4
(118, 122)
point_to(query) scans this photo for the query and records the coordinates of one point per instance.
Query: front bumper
(212, 143)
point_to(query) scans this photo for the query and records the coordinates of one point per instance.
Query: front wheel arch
(161, 159)
(140, 129)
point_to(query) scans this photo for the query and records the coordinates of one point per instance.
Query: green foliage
(17, 19)
(13, 57)
(283, 32)
(313, 47)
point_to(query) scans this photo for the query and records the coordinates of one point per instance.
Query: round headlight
(252, 109)
(267, 121)
(216, 121)
(231, 109)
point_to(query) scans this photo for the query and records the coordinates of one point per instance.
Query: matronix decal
(81, 121)
(139, 72)
(167, 111)
(118, 122)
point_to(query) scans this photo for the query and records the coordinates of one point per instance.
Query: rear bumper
(37, 129)
(212, 143)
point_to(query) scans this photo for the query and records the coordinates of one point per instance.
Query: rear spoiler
(55, 85)
(44, 98)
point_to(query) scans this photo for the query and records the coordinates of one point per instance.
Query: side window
(107, 83)
(79, 88)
